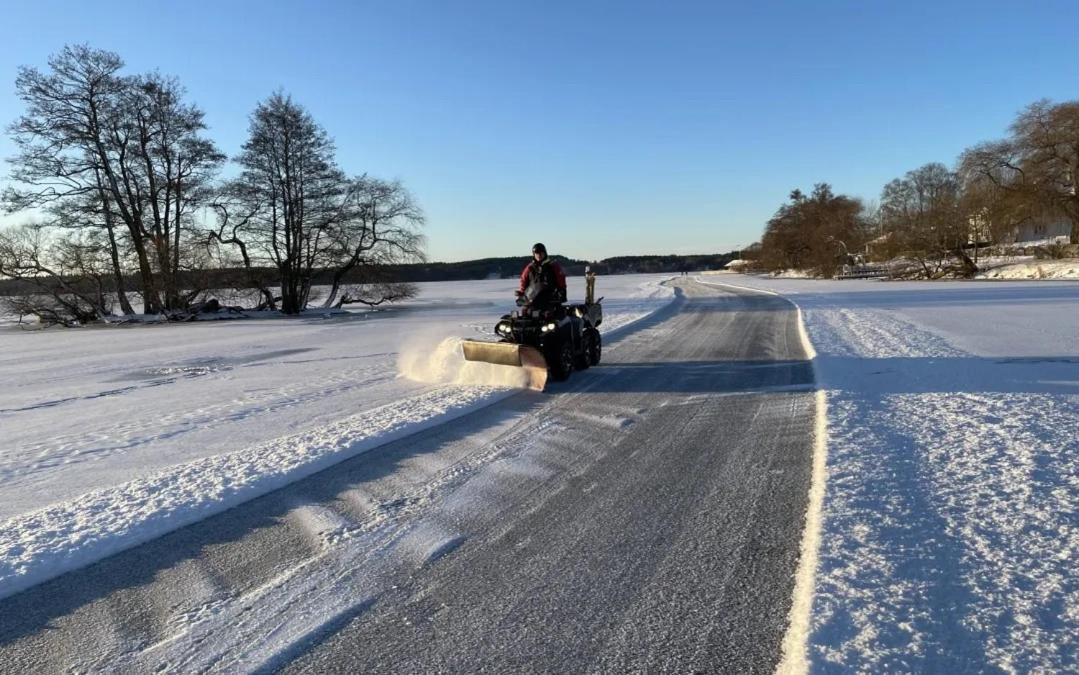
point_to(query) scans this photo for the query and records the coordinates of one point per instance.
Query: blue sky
(601, 128)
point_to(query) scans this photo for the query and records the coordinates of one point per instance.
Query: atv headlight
(549, 327)
(503, 328)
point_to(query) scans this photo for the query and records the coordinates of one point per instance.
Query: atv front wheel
(562, 363)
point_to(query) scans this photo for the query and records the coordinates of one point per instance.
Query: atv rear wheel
(584, 359)
(562, 363)
(594, 347)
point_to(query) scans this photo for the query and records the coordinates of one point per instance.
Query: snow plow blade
(510, 354)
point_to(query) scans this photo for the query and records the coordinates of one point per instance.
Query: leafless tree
(922, 211)
(294, 209)
(379, 228)
(170, 178)
(293, 189)
(1038, 165)
(234, 218)
(69, 272)
(123, 152)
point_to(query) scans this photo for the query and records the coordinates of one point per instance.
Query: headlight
(549, 327)
(503, 327)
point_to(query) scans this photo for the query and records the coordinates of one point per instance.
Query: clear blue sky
(601, 128)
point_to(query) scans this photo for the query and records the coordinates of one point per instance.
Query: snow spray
(446, 364)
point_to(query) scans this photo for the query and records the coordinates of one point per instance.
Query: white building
(1042, 231)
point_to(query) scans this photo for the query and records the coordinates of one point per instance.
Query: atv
(550, 341)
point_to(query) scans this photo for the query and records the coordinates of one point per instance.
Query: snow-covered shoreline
(949, 532)
(133, 504)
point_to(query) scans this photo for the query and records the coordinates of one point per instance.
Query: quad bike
(548, 341)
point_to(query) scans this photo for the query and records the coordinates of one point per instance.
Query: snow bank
(42, 544)
(793, 274)
(1035, 269)
(622, 311)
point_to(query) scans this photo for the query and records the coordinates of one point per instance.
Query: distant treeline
(484, 268)
(932, 221)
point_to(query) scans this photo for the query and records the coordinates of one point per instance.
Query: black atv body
(566, 335)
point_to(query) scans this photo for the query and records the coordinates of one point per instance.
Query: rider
(546, 276)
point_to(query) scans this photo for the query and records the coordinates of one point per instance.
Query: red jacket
(553, 269)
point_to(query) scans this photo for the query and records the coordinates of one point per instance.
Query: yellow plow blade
(509, 354)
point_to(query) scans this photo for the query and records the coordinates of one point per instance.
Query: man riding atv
(543, 283)
(545, 336)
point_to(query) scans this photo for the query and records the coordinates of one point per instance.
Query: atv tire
(584, 359)
(561, 363)
(593, 347)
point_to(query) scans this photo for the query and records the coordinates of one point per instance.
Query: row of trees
(934, 217)
(122, 182)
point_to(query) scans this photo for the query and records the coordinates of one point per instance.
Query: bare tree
(171, 177)
(1038, 166)
(58, 139)
(922, 211)
(234, 218)
(995, 212)
(69, 272)
(293, 189)
(123, 151)
(293, 208)
(378, 228)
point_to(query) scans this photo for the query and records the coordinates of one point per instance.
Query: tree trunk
(118, 274)
(151, 302)
(174, 264)
(969, 267)
(290, 295)
(114, 248)
(335, 287)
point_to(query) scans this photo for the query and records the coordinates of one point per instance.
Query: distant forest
(491, 268)
(932, 221)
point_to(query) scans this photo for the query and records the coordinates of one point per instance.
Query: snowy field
(950, 526)
(949, 529)
(113, 435)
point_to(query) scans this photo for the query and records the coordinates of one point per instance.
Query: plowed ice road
(645, 515)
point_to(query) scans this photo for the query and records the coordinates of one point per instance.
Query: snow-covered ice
(950, 513)
(110, 436)
(949, 527)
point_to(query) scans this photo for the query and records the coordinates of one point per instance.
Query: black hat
(539, 248)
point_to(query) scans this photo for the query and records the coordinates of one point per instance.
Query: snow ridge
(43, 544)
